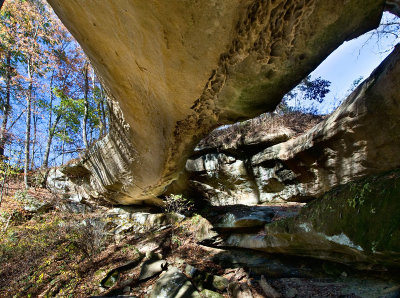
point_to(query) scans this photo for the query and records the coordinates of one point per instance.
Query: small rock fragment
(239, 290)
(173, 284)
(151, 268)
(268, 289)
(110, 280)
(190, 271)
(210, 294)
(291, 293)
(220, 283)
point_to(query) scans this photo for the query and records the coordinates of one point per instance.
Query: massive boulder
(361, 137)
(355, 224)
(179, 68)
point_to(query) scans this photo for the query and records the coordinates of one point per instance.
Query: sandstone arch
(179, 68)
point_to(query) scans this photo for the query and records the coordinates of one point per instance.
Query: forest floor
(50, 252)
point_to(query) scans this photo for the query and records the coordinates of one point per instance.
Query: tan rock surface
(179, 68)
(360, 138)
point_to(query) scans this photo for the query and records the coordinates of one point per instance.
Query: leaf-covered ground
(55, 253)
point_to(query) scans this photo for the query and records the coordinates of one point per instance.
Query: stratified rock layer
(179, 68)
(357, 223)
(361, 137)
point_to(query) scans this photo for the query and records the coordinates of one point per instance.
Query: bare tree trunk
(86, 111)
(100, 106)
(103, 127)
(49, 128)
(35, 120)
(6, 107)
(110, 114)
(45, 164)
(6, 168)
(63, 145)
(28, 124)
(51, 133)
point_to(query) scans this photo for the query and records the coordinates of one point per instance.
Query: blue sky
(355, 58)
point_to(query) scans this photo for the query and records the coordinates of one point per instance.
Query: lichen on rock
(357, 223)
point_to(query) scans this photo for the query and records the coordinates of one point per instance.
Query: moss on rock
(358, 222)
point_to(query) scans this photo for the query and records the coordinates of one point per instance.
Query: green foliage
(21, 195)
(47, 250)
(176, 240)
(37, 179)
(360, 194)
(7, 170)
(42, 64)
(177, 203)
(196, 218)
(70, 111)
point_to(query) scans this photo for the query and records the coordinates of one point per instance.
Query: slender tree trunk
(19, 160)
(103, 126)
(6, 168)
(45, 164)
(49, 128)
(86, 111)
(6, 107)
(35, 120)
(110, 114)
(49, 141)
(63, 145)
(28, 124)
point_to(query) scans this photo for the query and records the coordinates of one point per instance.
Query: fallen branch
(8, 222)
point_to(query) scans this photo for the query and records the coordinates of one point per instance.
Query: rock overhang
(180, 68)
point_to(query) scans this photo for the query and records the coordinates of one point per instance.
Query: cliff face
(179, 68)
(360, 138)
(355, 224)
(348, 164)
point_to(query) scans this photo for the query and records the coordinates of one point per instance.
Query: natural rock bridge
(179, 68)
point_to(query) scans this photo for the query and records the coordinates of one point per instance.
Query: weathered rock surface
(151, 268)
(361, 137)
(223, 179)
(33, 205)
(240, 217)
(349, 287)
(239, 290)
(179, 68)
(125, 219)
(204, 280)
(210, 294)
(174, 284)
(357, 223)
(111, 277)
(58, 182)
